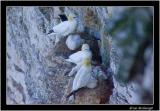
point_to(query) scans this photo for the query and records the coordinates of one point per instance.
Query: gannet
(65, 27)
(77, 57)
(74, 41)
(82, 77)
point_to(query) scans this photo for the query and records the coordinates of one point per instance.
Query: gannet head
(87, 61)
(85, 47)
(71, 17)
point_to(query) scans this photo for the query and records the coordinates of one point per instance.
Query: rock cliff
(36, 69)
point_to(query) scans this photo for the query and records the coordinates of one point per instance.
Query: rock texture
(36, 69)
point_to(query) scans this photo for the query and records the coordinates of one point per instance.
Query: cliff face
(34, 74)
(35, 63)
(31, 72)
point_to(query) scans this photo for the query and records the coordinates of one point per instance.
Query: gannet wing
(76, 57)
(82, 78)
(62, 27)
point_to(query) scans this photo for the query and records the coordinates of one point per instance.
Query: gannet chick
(66, 27)
(82, 77)
(80, 55)
(74, 41)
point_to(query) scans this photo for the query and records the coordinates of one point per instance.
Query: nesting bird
(83, 76)
(74, 41)
(80, 55)
(65, 27)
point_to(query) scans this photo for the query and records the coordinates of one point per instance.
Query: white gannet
(82, 77)
(77, 57)
(74, 70)
(66, 27)
(74, 41)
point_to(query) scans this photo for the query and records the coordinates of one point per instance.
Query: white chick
(66, 27)
(74, 41)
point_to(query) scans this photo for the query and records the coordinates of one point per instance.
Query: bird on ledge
(79, 56)
(83, 77)
(66, 27)
(74, 41)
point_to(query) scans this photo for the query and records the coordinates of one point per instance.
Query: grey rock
(36, 67)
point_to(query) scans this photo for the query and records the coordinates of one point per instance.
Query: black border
(79, 3)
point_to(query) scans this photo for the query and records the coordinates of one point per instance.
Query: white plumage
(82, 77)
(75, 69)
(80, 55)
(65, 27)
(74, 41)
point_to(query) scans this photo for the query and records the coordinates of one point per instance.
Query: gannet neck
(85, 47)
(87, 62)
(73, 21)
